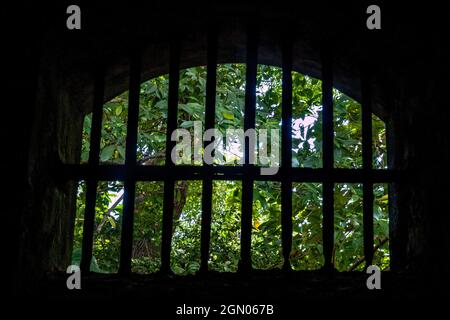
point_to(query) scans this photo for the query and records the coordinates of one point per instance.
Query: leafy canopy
(225, 229)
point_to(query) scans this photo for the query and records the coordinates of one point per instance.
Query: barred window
(325, 204)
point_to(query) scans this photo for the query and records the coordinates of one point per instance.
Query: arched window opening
(266, 229)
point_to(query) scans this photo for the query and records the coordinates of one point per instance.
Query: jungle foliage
(266, 234)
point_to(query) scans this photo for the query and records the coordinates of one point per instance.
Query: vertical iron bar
(210, 115)
(130, 164)
(328, 156)
(366, 105)
(169, 184)
(92, 182)
(249, 123)
(286, 123)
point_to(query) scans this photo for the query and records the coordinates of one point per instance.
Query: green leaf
(76, 258)
(121, 151)
(84, 156)
(177, 269)
(107, 153)
(308, 92)
(228, 115)
(161, 104)
(191, 108)
(187, 124)
(119, 110)
(259, 197)
(112, 222)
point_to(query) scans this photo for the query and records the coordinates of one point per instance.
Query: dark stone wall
(410, 65)
(49, 209)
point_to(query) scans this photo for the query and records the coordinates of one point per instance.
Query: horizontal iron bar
(189, 172)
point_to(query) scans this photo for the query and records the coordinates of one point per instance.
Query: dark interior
(54, 75)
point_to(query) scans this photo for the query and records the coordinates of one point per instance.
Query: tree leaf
(107, 153)
(118, 110)
(112, 222)
(228, 115)
(187, 124)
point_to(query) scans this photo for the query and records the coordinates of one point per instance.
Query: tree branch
(149, 160)
(362, 259)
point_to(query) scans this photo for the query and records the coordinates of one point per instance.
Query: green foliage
(348, 224)
(307, 226)
(225, 229)
(187, 221)
(379, 143)
(306, 122)
(106, 226)
(348, 131)
(226, 226)
(266, 232)
(147, 227)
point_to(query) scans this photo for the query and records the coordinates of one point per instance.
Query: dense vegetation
(225, 234)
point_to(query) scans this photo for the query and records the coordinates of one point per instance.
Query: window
(325, 206)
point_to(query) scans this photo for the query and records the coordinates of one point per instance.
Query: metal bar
(169, 185)
(366, 106)
(206, 224)
(286, 151)
(245, 263)
(167, 225)
(328, 158)
(91, 181)
(210, 115)
(160, 173)
(126, 247)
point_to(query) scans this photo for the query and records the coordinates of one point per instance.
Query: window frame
(130, 172)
